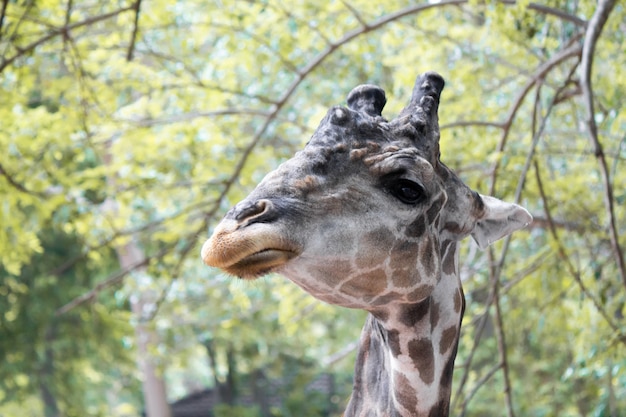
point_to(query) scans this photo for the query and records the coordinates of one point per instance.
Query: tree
(195, 101)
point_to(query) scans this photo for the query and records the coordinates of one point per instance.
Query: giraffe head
(359, 217)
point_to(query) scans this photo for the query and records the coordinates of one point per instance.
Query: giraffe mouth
(247, 253)
(260, 263)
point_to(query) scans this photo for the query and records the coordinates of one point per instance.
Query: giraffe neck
(406, 355)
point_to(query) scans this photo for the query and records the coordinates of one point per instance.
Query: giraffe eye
(407, 191)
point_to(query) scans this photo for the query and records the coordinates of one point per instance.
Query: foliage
(176, 110)
(40, 352)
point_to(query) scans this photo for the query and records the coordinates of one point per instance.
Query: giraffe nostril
(261, 211)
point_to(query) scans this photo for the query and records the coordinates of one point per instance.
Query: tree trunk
(50, 407)
(130, 255)
(153, 385)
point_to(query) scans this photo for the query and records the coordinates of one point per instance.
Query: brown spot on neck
(440, 410)
(448, 337)
(421, 352)
(411, 314)
(434, 315)
(393, 341)
(405, 394)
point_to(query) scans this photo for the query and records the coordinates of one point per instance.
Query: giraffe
(367, 216)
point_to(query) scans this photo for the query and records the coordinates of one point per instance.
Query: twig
(110, 281)
(261, 41)
(471, 123)
(68, 12)
(537, 133)
(16, 26)
(17, 185)
(185, 117)
(482, 381)
(568, 264)
(496, 270)
(307, 21)
(191, 243)
(571, 51)
(594, 29)
(540, 222)
(480, 327)
(59, 31)
(355, 13)
(133, 37)
(339, 355)
(551, 11)
(3, 12)
(501, 341)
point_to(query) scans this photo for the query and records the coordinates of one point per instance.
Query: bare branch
(471, 123)
(17, 185)
(185, 117)
(568, 263)
(355, 13)
(537, 133)
(339, 355)
(482, 381)
(596, 24)
(262, 42)
(68, 12)
(307, 21)
(496, 269)
(3, 12)
(551, 11)
(540, 222)
(182, 256)
(109, 282)
(62, 31)
(572, 51)
(501, 340)
(480, 327)
(133, 37)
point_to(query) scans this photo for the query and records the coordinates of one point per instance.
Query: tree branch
(551, 11)
(185, 117)
(133, 37)
(471, 123)
(568, 264)
(540, 73)
(59, 32)
(496, 269)
(594, 29)
(17, 185)
(3, 12)
(109, 282)
(339, 355)
(482, 381)
(501, 341)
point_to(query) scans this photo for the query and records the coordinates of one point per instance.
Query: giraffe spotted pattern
(367, 216)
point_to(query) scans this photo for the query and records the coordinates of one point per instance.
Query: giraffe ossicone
(367, 216)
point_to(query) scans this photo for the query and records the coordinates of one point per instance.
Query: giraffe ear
(499, 220)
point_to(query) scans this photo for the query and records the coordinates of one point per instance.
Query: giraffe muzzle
(247, 252)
